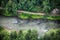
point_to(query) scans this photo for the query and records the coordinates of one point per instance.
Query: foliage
(13, 35)
(31, 35)
(1, 28)
(3, 34)
(46, 6)
(55, 3)
(53, 34)
(26, 4)
(31, 5)
(34, 16)
(28, 35)
(20, 35)
(10, 9)
(11, 6)
(28, 16)
(3, 3)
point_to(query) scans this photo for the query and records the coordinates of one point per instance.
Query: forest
(52, 34)
(10, 8)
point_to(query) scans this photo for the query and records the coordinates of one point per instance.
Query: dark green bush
(13, 35)
(53, 34)
(3, 34)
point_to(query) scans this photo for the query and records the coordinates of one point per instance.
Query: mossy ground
(33, 16)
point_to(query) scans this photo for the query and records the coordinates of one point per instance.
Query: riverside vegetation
(52, 34)
(10, 7)
(34, 16)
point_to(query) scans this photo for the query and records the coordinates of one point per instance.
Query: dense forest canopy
(11, 6)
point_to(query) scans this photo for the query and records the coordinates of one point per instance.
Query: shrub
(53, 34)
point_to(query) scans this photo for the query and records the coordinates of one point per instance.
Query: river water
(13, 23)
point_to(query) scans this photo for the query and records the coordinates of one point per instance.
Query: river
(13, 23)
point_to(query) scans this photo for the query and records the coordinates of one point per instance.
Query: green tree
(6, 37)
(1, 28)
(46, 6)
(34, 35)
(13, 35)
(53, 34)
(31, 35)
(28, 35)
(3, 34)
(20, 35)
(26, 4)
(11, 8)
(55, 3)
(3, 3)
